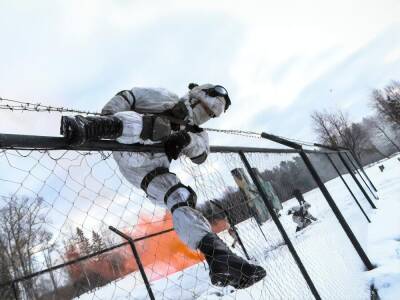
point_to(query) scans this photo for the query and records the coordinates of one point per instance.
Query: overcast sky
(280, 60)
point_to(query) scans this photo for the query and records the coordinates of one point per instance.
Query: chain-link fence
(56, 207)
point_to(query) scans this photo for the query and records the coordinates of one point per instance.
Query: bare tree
(323, 128)
(47, 254)
(381, 131)
(387, 102)
(22, 230)
(5, 276)
(335, 129)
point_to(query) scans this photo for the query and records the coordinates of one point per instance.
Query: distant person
(300, 213)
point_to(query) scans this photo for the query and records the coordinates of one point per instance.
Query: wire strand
(17, 105)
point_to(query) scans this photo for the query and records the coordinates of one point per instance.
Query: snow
(326, 252)
(384, 231)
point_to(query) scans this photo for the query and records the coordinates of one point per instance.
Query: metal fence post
(233, 228)
(362, 170)
(362, 178)
(137, 258)
(279, 226)
(350, 172)
(337, 212)
(356, 180)
(347, 186)
(327, 196)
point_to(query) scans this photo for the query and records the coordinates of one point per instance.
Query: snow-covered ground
(326, 252)
(384, 231)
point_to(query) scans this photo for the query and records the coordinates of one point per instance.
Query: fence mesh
(364, 203)
(57, 206)
(322, 246)
(266, 247)
(359, 173)
(357, 211)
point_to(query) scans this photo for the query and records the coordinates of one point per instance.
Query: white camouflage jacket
(155, 101)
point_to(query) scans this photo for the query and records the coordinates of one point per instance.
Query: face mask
(215, 104)
(206, 101)
(218, 91)
(200, 116)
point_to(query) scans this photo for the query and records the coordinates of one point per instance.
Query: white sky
(279, 60)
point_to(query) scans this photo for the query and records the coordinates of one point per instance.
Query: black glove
(175, 143)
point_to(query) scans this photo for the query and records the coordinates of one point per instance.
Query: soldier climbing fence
(57, 204)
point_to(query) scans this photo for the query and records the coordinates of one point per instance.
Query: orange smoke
(161, 255)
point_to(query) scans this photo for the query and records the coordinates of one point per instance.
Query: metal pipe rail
(34, 142)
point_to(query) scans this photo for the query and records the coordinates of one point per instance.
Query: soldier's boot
(226, 268)
(79, 129)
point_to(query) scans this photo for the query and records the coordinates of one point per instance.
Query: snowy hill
(328, 256)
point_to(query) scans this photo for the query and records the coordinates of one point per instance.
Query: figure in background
(300, 214)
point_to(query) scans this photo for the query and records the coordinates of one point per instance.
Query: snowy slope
(384, 231)
(328, 256)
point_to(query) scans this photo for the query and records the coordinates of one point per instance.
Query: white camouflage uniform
(129, 106)
(301, 216)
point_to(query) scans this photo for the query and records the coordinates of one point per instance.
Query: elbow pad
(123, 101)
(200, 158)
(129, 97)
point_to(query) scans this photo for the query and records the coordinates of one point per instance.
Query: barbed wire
(236, 132)
(17, 105)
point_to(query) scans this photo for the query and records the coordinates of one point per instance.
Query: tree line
(26, 246)
(375, 137)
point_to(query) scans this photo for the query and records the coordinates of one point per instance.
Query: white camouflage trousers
(189, 224)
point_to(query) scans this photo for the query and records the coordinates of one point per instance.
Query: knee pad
(191, 201)
(151, 175)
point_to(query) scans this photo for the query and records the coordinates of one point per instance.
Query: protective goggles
(219, 91)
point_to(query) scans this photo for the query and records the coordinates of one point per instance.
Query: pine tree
(97, 242)
(83, 241)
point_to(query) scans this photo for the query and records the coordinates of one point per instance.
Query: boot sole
(64, 126)
(70, 130)
(247, 281)
(223, 280)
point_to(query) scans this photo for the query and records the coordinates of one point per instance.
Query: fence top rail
(34, 142)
